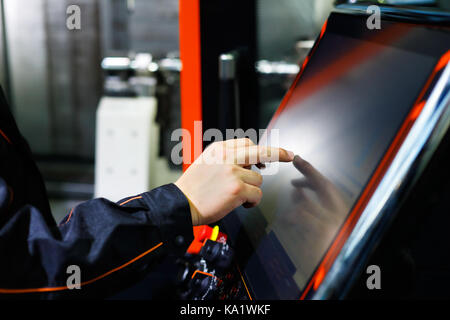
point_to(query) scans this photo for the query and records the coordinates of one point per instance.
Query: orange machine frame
(191, 77)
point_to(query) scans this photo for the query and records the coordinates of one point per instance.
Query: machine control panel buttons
(217, 254)
(206, 271)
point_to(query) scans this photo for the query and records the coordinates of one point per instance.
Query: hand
(220, 180)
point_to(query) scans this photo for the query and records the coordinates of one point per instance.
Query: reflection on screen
(342, 115)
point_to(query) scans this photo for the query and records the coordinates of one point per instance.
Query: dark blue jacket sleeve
(113, 244)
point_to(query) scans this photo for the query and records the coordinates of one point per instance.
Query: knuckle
(236, 188)
(219, 154)
(211, 147)
(217, 145)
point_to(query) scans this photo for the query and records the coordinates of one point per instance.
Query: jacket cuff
(170, 209)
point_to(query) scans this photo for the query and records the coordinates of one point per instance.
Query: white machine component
(127, 141)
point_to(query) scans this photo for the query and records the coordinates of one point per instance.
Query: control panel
(208, 271)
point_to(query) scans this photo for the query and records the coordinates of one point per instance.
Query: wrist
(194, 214)
(193, 210)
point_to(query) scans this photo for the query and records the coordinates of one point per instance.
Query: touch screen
(340, 118)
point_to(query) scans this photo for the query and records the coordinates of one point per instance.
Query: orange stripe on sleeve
(125, 202)
(53, 289)
(70, 216)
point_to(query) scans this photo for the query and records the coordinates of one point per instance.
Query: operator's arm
(113, 244)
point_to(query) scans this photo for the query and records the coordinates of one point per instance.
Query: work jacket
(100, 246)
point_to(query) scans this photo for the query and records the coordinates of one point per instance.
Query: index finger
(260, 154)
(237, 143)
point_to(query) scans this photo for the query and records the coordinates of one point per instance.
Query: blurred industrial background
(54, 78)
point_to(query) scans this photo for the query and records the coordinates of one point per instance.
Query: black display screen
(341, 116)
